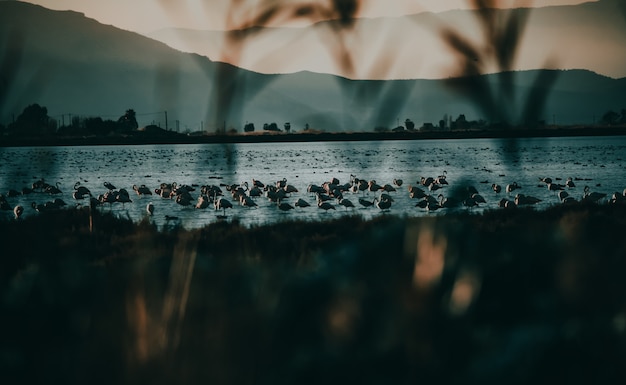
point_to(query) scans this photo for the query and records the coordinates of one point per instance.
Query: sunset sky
(149, 15)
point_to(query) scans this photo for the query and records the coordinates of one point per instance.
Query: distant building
(427, 127)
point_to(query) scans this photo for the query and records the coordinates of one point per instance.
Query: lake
(598, 162)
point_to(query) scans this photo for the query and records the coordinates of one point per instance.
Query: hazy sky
(150, 15)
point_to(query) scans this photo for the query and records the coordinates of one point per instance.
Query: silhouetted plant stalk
(502, 32)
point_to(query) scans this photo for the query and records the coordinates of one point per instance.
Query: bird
(382, 204)
(223, 204)
(142, 190)
(554, 186)
(302, 203)
(478, 198)
(39, 207)
(150, 208)
(365, 203)
(109, 186)
(512, 187)
(290, 189)
(372, 186)
(18, 211)
(521, 199)
(562, 195)
(569, 182)
(496, 187)
(397, 182)
(546, 180)
(53, 190)
(346, 203)
(284, 206)
(449, 202)
(247, 201)
(203, 201)
(592, 196)
(416, 192)
(80, 192)
(506, 204)
(184, 199)
(325, 205)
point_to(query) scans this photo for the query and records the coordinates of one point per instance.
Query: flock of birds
(426, 192)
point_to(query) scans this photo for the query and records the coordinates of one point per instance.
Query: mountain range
(75, 66)
(588, 36)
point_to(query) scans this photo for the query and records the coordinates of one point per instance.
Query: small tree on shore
(33, 120)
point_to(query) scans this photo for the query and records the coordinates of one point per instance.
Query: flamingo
(39, 185)
(109, 186)
(184, 199)
(512, 187)
(449, 202)
(426, 181)
(203, 202)
(80, 191)
(570, 183)
(18, 211)
(223, 204)
(592, 196)
(546, 180)
(53, 190)
(365, 203)
(397, 182)
(302, 203)
(554, 187)
(416, 192)
(39, 207)
(284, 206)
(382, 204)
(142, 190)
(246, 201)
(346, 203)
(290, 189)
(521, 199)
(372, 186)
(325, 205)
(150, 208)
(496, 188)
(478, 198)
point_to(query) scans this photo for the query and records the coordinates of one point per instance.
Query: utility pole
(165, 120)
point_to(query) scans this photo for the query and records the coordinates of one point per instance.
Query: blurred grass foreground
(510, 297)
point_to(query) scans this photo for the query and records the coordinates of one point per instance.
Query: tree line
(34, 120)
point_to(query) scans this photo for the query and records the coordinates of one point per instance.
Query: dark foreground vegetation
(505, 297)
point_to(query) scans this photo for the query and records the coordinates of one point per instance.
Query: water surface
(597, 161)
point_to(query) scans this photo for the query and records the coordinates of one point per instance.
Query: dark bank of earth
(169, 137)
(518, 296)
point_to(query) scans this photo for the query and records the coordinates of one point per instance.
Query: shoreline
(166, 137)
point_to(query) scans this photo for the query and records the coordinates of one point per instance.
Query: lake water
(599, 161)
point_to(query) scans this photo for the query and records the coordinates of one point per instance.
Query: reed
(521, 295)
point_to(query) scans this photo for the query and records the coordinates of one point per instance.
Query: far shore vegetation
(34, 127)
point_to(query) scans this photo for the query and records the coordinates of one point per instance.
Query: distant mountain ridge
(76, 66)
(589, 36)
